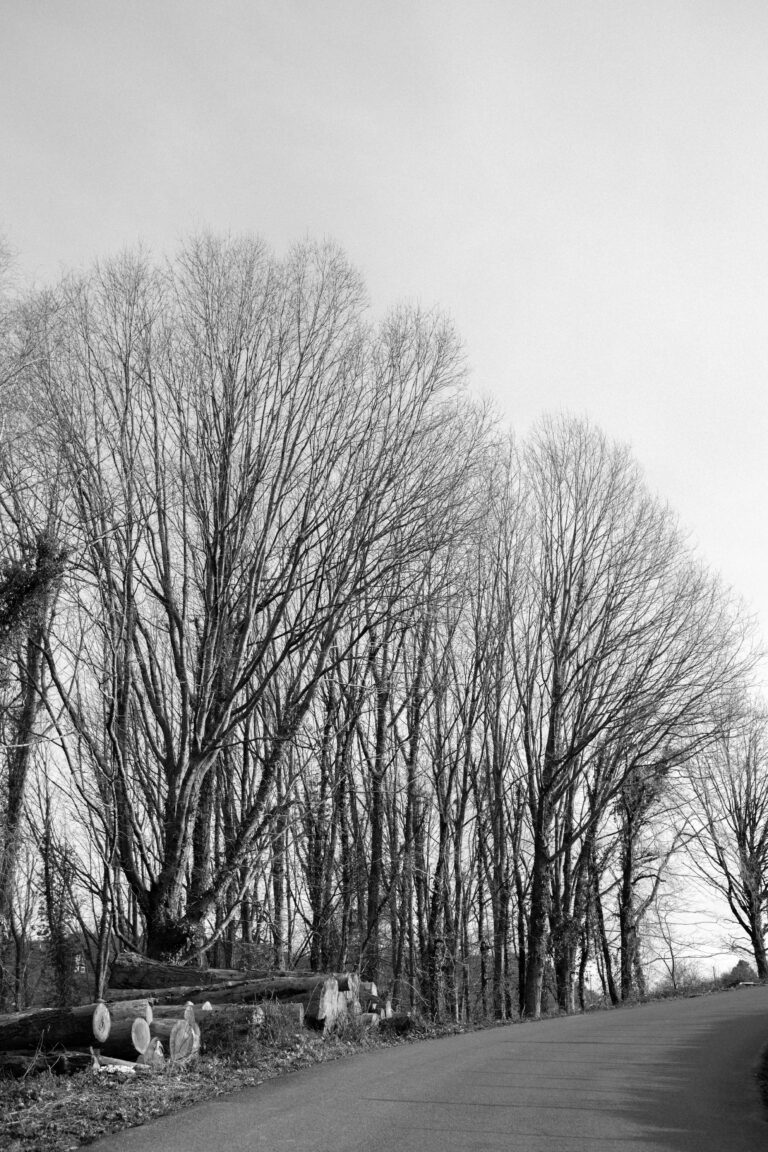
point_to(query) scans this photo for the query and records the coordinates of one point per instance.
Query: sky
(580, 184)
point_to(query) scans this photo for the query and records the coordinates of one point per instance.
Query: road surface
(674, 1076)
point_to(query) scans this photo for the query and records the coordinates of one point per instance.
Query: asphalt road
(666, 1077)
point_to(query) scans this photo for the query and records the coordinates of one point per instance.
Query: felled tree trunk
(129, 1009)
(167, 1018)
(106, 1016)
(130, 970)
(48, 1027)
(252, 991)
(322, 1010)
(216, 1028)
(127, 1039)
(153, 995)
(173, 1011)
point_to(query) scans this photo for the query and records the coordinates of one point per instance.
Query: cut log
(153, 1055)
(176, 995)
(127, 995)
(163, 1026)
(174, 1011)
(184, 1042)
(322, 1010)
(130, 970)
(140, 1035)
(224, 1030)
(197, 1013)
(101, 1022)
(252, 991)
(226, 992)
(48, 1028)
(126, 1039)
(240, 991)
(129, 1009)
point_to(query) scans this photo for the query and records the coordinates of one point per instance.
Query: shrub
(740, 973)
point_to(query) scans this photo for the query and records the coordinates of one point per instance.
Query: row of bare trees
(311, 664)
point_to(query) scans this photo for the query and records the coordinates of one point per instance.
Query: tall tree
(249, 462)
(33, 560)
(619, 641)
(730, 790)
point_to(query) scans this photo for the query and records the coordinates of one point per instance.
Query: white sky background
(581, 184)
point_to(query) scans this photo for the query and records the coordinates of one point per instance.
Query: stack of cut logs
(158, 1012)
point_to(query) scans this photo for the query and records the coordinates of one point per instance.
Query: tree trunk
(123, 1009)
(583, 961)
(247, 991)
(605, 951)
(761, 960)
(371, 958)
(35, 605)
(47, 1027)
(757, 932)
(130, 970)
(127, 1039)
(322, 1009)
(539, 920)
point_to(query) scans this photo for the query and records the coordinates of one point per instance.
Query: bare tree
(249, 462)
(730, 789)
(33, 560)
(619, 643)
(333, 672)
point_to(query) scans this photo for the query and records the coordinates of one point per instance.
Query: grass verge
(47, 1113)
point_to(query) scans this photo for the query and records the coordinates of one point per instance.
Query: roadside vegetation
(54, 1113)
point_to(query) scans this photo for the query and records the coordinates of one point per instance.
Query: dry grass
(47, 1113)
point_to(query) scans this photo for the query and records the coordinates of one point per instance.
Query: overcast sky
(582, 185)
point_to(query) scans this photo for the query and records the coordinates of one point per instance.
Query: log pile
(157, 1013)
(101, 1035)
